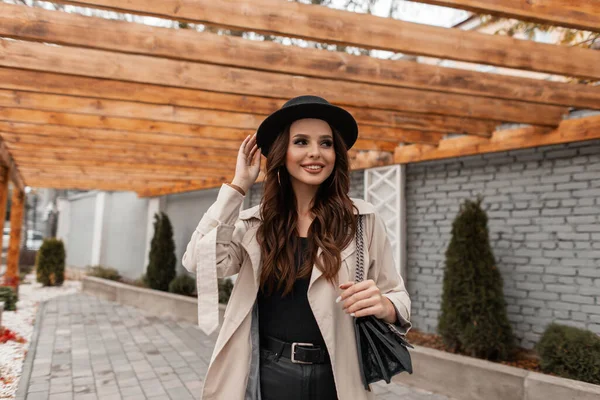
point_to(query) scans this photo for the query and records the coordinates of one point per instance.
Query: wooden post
(16, 222)
(3, 198)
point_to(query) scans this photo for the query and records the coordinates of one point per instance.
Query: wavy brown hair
(332, 229)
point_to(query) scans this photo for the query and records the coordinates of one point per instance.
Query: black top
(289, 318)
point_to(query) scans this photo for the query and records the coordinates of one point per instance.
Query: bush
(225, 288)
(570, 352)
(50, 262)
(473, 320)
(9, 297)
(161, 266)
(105, 273)
(183, 284)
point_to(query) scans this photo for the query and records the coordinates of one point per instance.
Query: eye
(328, 143)
(300, 141)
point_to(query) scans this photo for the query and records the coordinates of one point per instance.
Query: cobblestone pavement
(89, 348)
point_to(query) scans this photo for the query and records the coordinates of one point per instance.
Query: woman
(288, 328)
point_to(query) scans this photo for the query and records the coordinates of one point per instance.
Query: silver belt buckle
(293, 357)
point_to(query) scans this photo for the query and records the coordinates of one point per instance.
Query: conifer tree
(162, 261)
(473, 320)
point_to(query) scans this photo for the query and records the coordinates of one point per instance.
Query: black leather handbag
(382, 349)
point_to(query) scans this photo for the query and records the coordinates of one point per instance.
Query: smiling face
(310, 156)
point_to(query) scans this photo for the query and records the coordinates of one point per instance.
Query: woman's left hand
(365, 298)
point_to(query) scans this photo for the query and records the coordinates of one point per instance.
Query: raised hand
(248, 164)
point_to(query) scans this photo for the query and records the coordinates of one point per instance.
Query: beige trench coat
(238, 252)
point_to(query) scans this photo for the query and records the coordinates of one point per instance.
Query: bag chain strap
(360, 271)
(360, 260)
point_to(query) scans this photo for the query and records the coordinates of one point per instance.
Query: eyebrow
(306, 136)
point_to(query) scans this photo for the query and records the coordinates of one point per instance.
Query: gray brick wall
(357, 185)
(543, 206)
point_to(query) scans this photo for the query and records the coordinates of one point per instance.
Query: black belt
(299, 353)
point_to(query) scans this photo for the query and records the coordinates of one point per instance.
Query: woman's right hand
(248, 164)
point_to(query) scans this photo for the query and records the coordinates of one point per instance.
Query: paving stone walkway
(89, 349)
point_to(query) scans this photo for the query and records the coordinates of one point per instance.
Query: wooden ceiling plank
(76, 184)
(48, 163)
(45, 82)
(120, 109)
(38, 24)
(97, 63)
(367, 31)
(142, 144)
(571, 130)
(124, 109)
(109, 175)
(577, 14)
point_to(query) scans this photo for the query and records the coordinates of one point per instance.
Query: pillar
(3, 198)
(16, 223)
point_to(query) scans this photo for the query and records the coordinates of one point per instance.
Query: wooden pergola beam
(36, 24)
(572, 130)
(136, 143)
(7, 160)
(146, 69)
(45, 82)
(578, 14)
(112, 174)
(194, 139)
(87, 184)
(123, 109)
(366, 31)
(160, 171)
(241, 124)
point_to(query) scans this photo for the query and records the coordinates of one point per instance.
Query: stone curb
(28, 364)
(469, 378)
(155, 302)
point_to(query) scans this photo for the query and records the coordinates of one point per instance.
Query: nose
(314, 151)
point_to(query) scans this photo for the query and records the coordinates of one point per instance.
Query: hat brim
(337, 117)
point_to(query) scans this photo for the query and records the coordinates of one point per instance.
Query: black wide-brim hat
(306, 107)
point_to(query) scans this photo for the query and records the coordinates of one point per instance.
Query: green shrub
(225, 288)
(161, 266)
(183, 284)
(50, 262)
(570, 352)
(105, 273)
(9, 297)
(473, 320)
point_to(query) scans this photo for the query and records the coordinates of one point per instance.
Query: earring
(278, 180)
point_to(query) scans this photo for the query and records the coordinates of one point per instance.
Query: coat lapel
(347, 252)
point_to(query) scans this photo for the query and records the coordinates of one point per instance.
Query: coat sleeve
(382, 270)
(225, 242)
